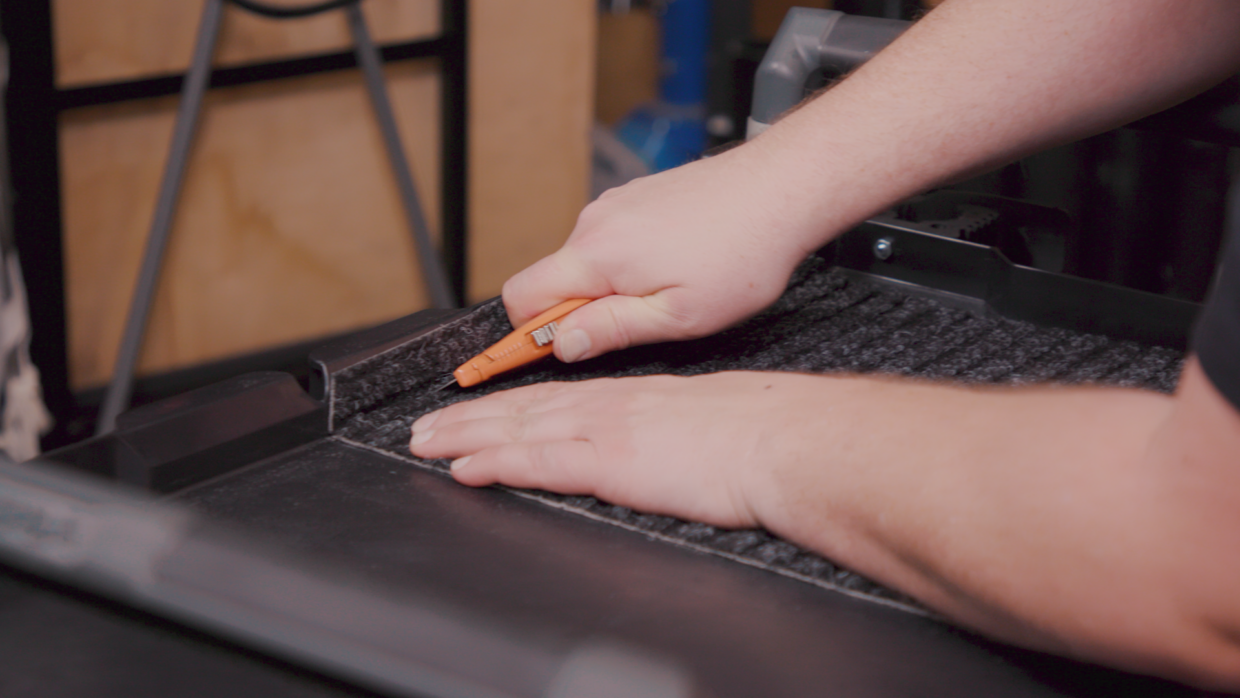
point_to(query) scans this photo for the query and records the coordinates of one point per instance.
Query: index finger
(548, 282)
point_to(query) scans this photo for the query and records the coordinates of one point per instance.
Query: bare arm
(1096, 523)
(975, 84)
(979, 83)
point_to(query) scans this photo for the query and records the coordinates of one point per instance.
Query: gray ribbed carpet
(825, 322)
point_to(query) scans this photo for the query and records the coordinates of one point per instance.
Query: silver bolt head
(884, 248)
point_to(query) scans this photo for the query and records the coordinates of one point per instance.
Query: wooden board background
(289, 225)
(531, 98)
(627, 73)
(110, 40)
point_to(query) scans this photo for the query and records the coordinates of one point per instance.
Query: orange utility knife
(530, 342)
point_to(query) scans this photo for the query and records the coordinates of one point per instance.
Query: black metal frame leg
(117, 397)
(372, 68)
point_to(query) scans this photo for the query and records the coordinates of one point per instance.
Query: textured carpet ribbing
(825, 322)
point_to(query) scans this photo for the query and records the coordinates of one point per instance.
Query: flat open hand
(677, 255)
(689, 447)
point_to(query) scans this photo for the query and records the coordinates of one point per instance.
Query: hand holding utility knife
(530, 342)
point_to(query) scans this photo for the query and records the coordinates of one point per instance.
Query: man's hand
(677, 255)
(687, 447)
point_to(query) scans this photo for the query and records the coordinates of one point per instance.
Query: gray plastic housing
(808, 40)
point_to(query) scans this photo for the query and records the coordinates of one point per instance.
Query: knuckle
(677, 319)
(543, 463)
(593, 211)
(621, 334)
(510, 288)
(532, 399)
(517, 409)
(681, 321)
(517, 428)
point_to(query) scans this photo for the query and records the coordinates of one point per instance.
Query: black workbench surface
(544, 576)
(552, 578)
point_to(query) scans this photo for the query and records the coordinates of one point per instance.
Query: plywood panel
(110, 40)
(531, 102)
(290, 225)
(767, 15)
(628, 63)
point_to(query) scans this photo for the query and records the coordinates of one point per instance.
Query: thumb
(615, 322)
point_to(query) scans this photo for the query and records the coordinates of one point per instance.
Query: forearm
(981, 82)
(1035, 515)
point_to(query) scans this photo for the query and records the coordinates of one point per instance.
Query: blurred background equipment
(671, 130)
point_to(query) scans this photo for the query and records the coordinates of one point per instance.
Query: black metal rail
(245, 74)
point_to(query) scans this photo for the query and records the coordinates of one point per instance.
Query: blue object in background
(686, 37)
(672, 130)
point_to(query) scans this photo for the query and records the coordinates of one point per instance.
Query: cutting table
(272, 540)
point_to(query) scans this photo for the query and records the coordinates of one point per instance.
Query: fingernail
(574, 345)
(425, 421)
(421, 437)
(460, 463)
